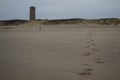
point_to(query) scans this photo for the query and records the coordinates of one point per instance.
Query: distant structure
(32, 13)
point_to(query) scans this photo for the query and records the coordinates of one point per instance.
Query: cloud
(52, 9)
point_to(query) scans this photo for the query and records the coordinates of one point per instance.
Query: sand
(60, 52)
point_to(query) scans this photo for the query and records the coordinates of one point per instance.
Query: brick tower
(32, 13)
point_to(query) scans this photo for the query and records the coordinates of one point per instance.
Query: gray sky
(56, 9)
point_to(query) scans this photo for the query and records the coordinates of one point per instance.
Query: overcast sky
(56, 9)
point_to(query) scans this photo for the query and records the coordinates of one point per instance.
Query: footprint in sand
(86, 54)
(93, 44)
(99, 61)
(87, 46)
(94, 49)
(88, 34)
(89, 41)
(86, 72)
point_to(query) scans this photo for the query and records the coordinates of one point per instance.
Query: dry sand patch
(67, 54)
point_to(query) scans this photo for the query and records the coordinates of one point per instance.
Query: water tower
(32, 13)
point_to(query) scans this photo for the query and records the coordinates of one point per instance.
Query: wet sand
(60, 52)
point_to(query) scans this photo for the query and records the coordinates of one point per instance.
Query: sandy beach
(60, 52)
